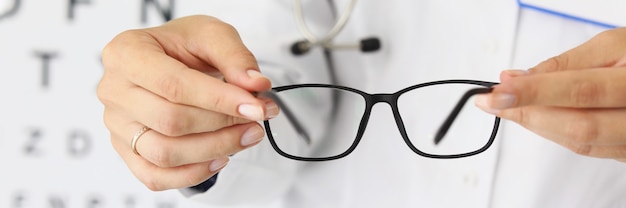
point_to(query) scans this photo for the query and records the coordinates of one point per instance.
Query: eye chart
(54, 147)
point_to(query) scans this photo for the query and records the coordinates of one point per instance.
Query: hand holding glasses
(424, 113)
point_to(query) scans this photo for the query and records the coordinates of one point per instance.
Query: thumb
(220, 46)
(603, 50)
(237, 64)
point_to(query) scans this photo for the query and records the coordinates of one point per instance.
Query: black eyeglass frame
(392, 100)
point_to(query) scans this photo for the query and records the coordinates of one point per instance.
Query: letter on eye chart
(165, 11)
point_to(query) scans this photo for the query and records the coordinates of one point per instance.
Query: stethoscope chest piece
(366, 45)
(369, 44)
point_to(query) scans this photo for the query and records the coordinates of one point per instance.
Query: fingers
(168, 118)
(575, 99)
(588, 76)
(600, 51)
(158, 179)
(507, 75)
(591, 88)
(597, 133)
(169, 152)
(158, 60)
(621, 62)
(597, 126)
(164, 151)
(178, 162)
(219, 45)
(182, 161)
(169, 78)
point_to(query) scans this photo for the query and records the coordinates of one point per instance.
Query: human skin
(191, 81)
(171, 79)
(575, 99)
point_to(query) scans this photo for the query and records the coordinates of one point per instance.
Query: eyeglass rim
(451, 81)
(356, 140)
(358, 137)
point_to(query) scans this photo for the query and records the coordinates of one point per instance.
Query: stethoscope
(303, 46)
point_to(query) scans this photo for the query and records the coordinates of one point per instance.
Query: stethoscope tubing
(332, 33)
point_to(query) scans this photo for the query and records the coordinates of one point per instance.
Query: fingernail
(516, 72)
(271, 109)
(502, 101)
(481, 101)
(218, 164)
(493, 103)
(252, 136)
(255, 74)
(251, 112)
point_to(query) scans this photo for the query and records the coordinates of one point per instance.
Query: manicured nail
(482, 101)
(502, 101)
(218, 164)
(493, 103)
(516, 72)
(271, 109)
(251, 112)
(255, 74)
(252, 136)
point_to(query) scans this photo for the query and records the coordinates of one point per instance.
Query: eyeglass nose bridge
(370, 101)
(392, 101)
(373, 99)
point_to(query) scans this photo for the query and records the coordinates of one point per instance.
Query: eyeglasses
(308, 128)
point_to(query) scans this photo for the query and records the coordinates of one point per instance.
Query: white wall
(54, 148)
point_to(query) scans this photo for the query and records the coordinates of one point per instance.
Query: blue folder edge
(564, 15)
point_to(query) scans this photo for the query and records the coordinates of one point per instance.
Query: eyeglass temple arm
(457, 109)
(288, 113)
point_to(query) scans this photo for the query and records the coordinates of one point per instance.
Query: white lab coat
(423, 40)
